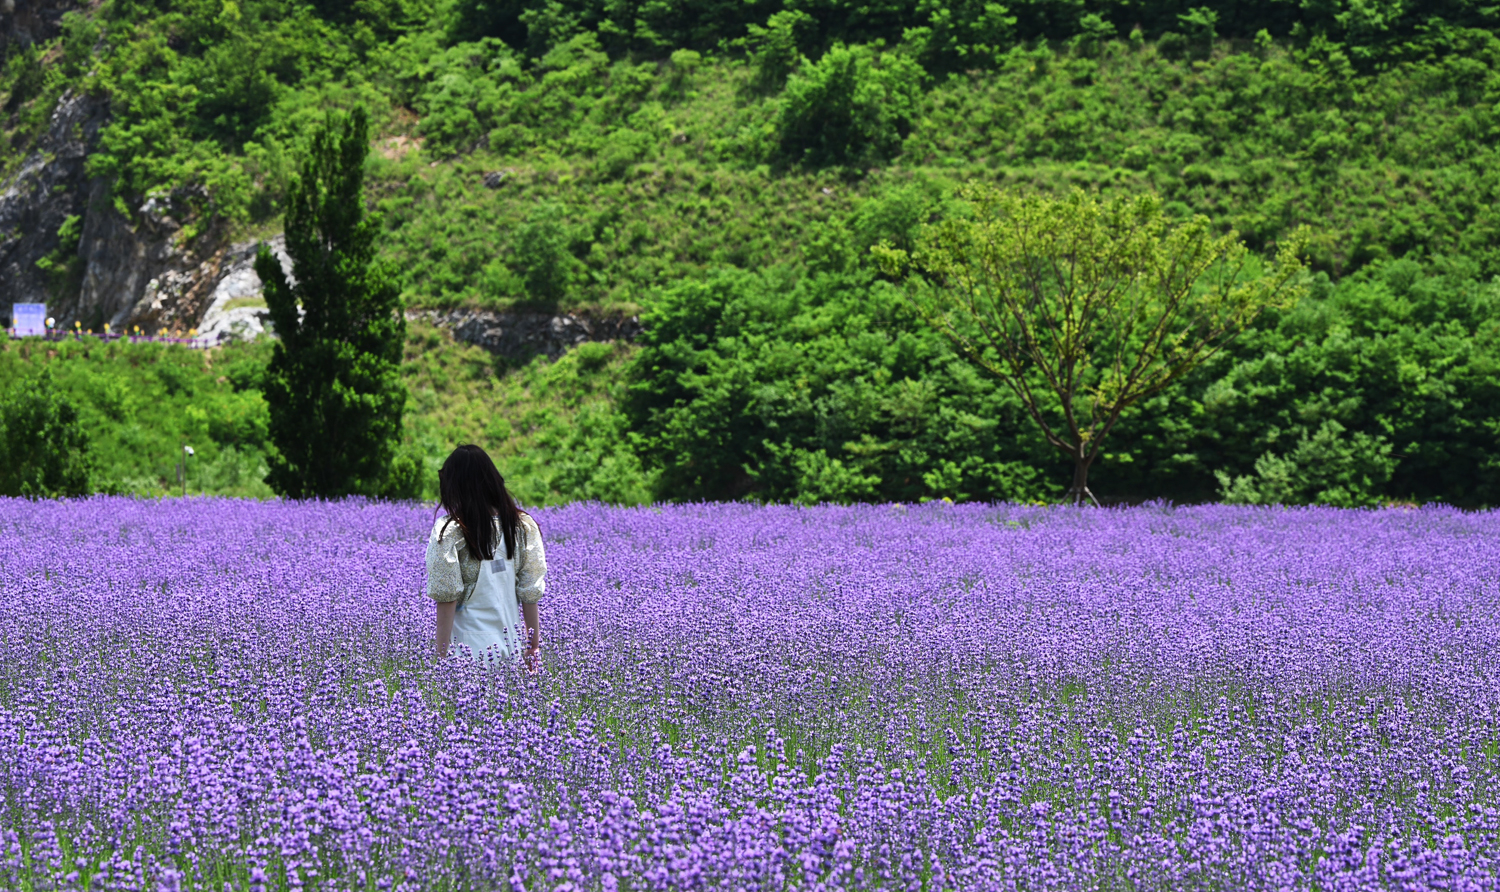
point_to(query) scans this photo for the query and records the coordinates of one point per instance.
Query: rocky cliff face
(118, 272)
(49, 187)
(236, 309)
(24, 22)
(121, 272)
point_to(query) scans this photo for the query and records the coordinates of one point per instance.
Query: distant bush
(24, 76)
(775, 49)
(1382, 386)
(852, 106)
(1326, 468)
(824, 388)
(542, 255)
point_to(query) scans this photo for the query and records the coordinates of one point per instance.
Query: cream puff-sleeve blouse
(452, 571)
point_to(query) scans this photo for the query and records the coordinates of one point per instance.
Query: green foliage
(137, 404)
(853, 106)
(333, 385)
(784, 387)
(62, 264)
(775, 48)
(1328, 468)
(44, 450)
(1383, 386)
(24, 77)
(543, 256)
(1258, 145)
(955, 36)
(1094, 32)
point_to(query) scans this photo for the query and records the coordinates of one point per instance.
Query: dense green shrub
(24, 76)
(853, 106)
(775, 48)
(44, 450)
(1382, 386)
(138, 404)
(542, 254)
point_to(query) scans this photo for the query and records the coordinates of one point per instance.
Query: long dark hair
(473, 493)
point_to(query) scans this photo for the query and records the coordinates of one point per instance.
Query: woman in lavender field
(484, 560)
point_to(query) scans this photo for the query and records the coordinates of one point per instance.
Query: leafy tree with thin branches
(1084, 307)
(333, 385)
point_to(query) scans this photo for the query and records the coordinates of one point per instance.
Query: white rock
(220, 322)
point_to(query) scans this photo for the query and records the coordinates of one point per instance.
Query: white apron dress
(488, 621)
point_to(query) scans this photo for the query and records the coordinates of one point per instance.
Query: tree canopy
(1085, 307)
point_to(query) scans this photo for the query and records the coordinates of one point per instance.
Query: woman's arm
(445, 611)
(531, 583)
(533, 616)
(445, 582)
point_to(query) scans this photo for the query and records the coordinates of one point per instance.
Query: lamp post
(182, 468)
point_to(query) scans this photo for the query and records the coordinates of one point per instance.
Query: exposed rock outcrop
(49, 187)
(524, 334)
(123, 262)
(236, 310)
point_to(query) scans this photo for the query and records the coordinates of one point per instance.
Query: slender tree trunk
(1079, 493)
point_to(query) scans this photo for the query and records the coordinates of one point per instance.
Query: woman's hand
(533, 651)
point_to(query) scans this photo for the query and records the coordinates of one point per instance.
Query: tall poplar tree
(333, 385)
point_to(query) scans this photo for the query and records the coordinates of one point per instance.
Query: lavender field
(217, 695)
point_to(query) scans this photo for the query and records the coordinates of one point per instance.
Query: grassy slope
(1380, 166)
(625, 175)
(550, 426)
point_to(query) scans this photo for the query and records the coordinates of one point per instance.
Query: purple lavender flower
(212, 694)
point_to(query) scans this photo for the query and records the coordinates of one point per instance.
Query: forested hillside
(724, 168)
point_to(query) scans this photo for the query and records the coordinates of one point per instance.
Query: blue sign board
(28, 319)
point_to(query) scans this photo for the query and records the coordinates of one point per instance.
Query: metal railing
(192, 339)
